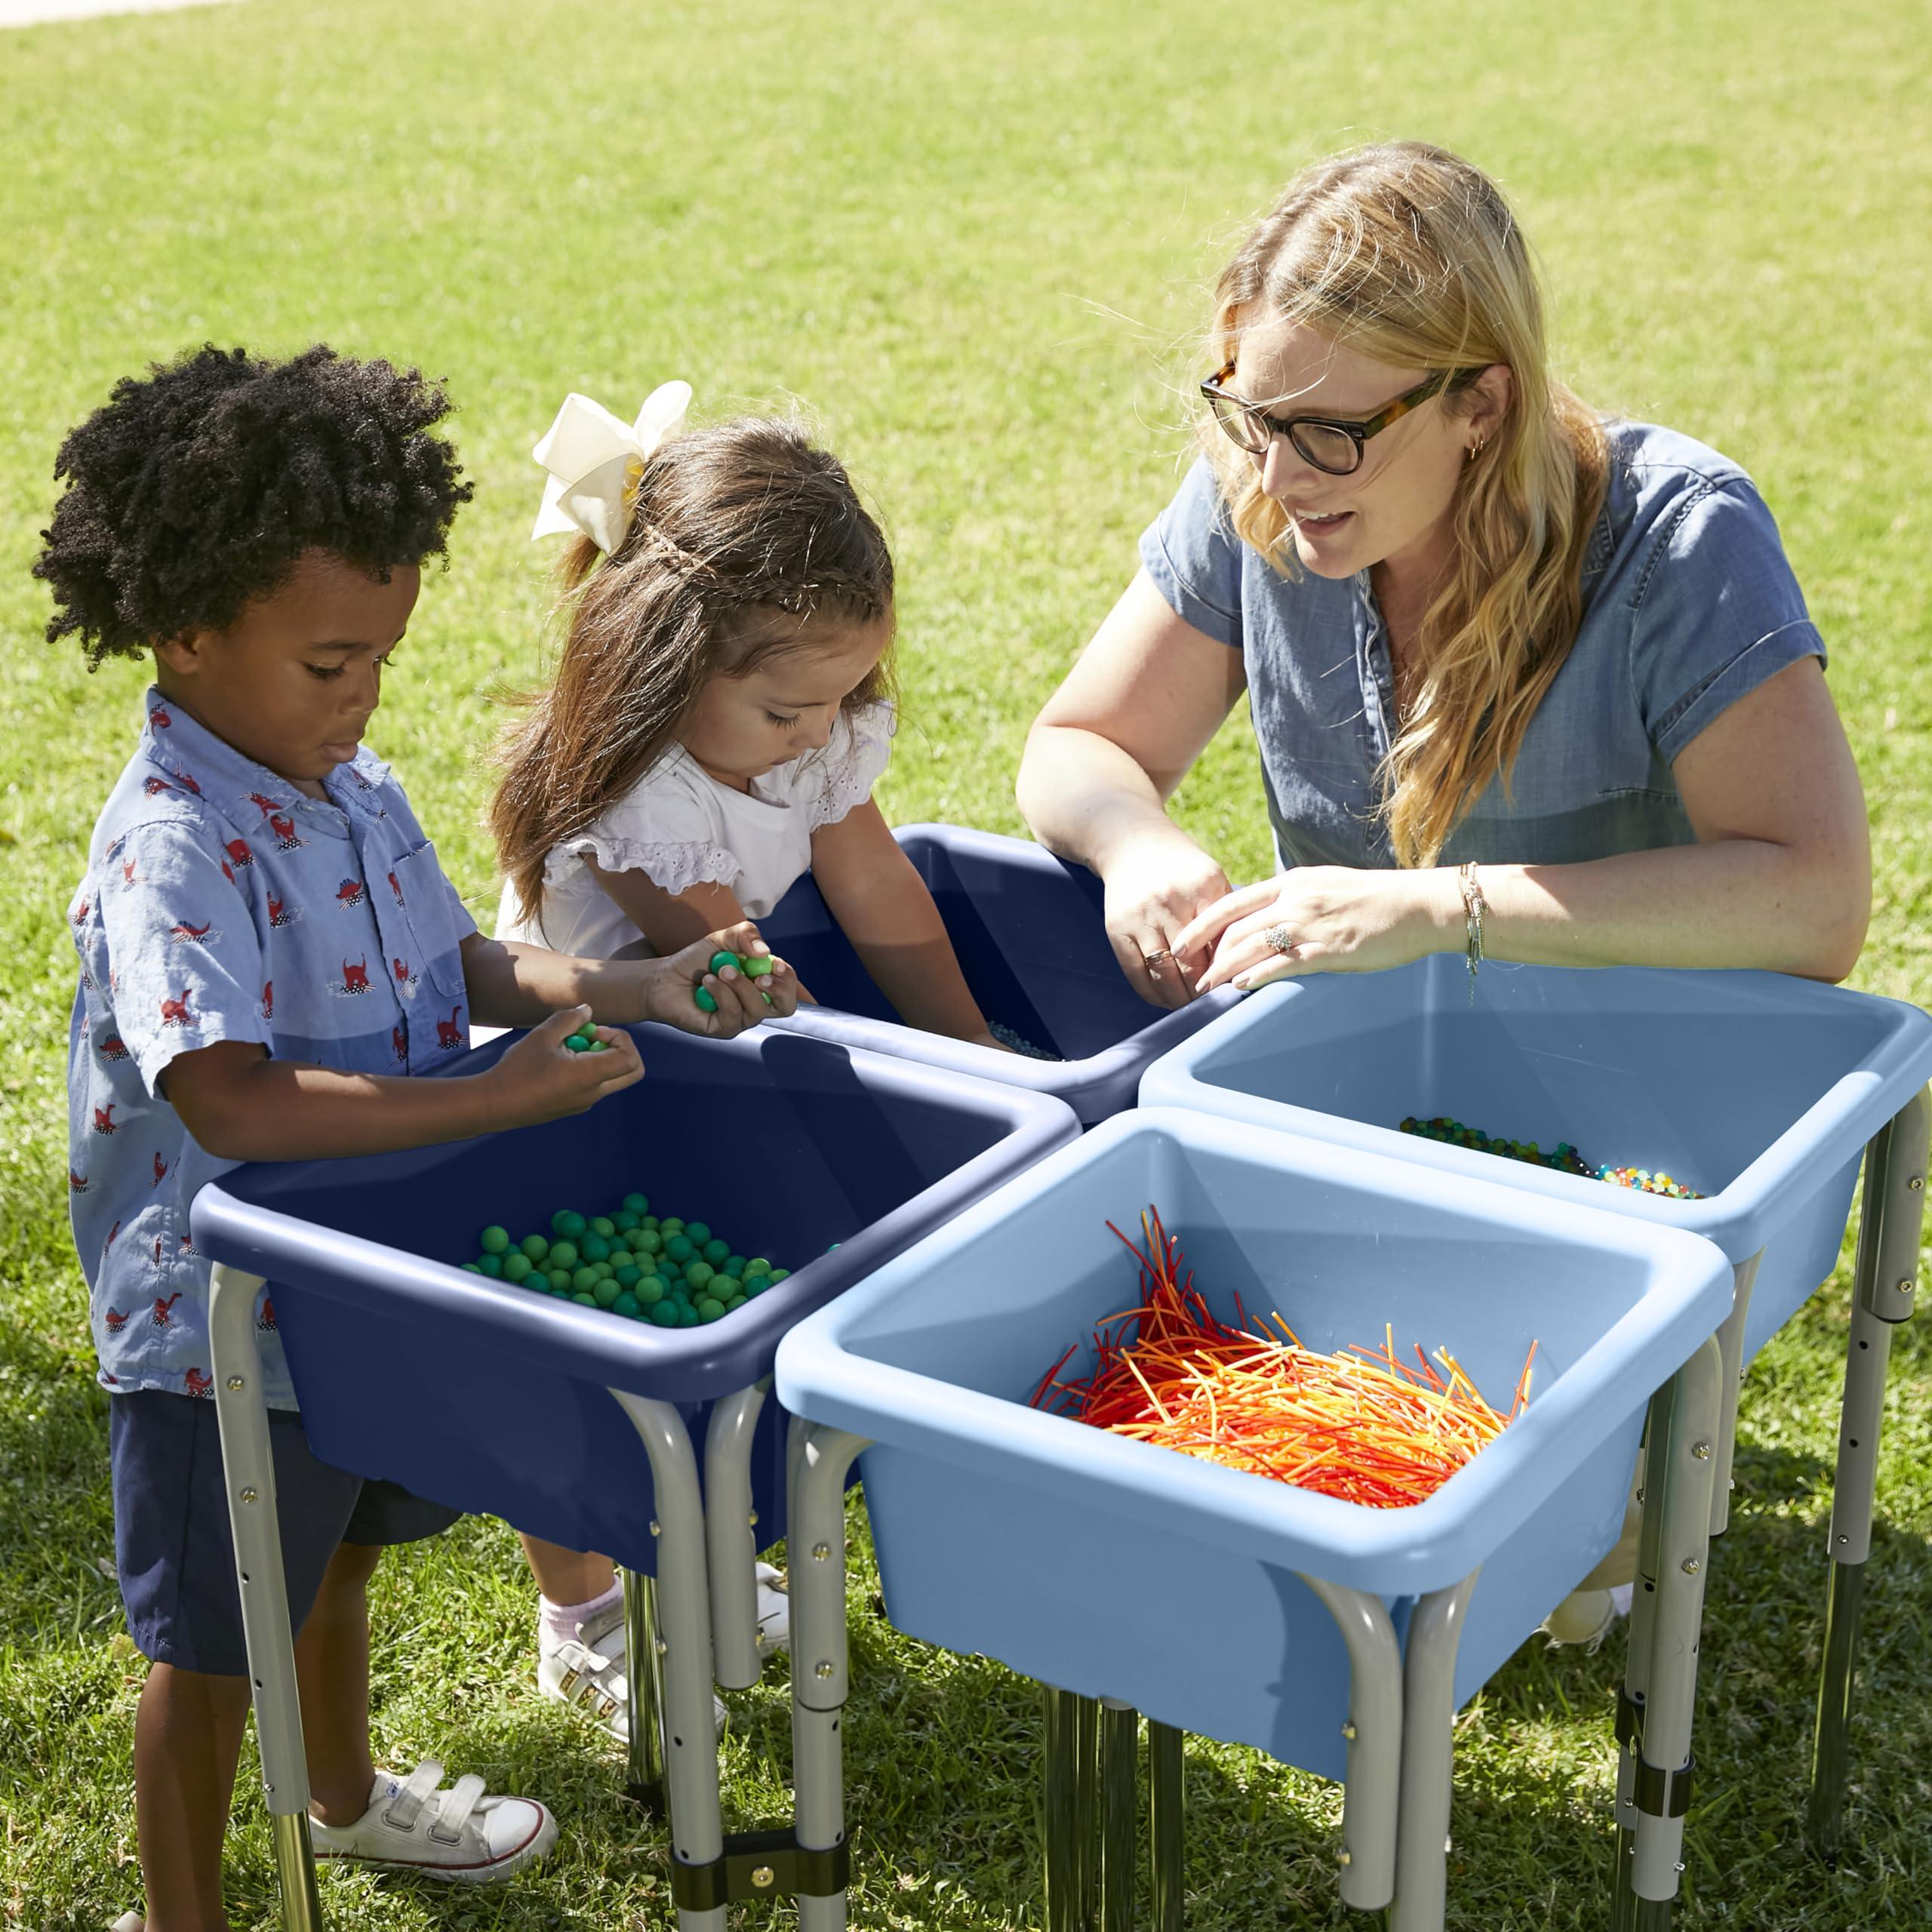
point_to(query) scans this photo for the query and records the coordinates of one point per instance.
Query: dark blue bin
(1028, 933)
(491, 1398)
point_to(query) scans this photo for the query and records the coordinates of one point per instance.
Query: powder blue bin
(1117, 1569)
(1028, 932)
(490, 1397)
(1759, 1090)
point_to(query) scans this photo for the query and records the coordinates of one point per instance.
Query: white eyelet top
(681, 827)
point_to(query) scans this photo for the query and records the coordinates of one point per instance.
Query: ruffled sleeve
(669, 827)
(851, 764)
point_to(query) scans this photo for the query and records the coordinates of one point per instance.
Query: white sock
(557, 1623)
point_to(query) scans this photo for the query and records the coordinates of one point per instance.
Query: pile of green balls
(676, 1274)
(753, 965)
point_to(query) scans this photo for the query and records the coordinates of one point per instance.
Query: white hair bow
(594, 462)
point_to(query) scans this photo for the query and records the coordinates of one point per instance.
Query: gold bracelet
(1474, 907)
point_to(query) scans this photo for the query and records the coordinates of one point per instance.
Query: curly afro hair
(196, 487)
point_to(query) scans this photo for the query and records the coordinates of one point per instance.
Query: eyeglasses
(1332, 443)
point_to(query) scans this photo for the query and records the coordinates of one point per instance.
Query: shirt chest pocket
(423, 897)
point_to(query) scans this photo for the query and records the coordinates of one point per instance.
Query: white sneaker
(461, 1833)
(1586, 1616)
(774, 1611)
(587, 1672)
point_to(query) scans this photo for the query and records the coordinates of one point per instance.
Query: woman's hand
(1331, 919)
(669, 985)
(1159, 884)
(539, 1079)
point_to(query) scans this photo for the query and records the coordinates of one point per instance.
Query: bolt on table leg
(1119, 1766)
(731, 1526)
(821, 1657)
(683, 1602)
(1372, 1784)
(247, 1463)
(644, 1675)
(1890, 1220)
(1428, 1750)
(1679, 1473)
(1167, 1827)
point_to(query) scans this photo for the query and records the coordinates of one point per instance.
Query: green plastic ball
(721, 958)
(717, 1252)
(688, 1316)
(559, 1279)
(665, 1314)
(756, 1284)
(671, 1224)
(602, 1270)
(779, 1274)
(649, 1221)
(601, 1224)
(709, 1308)
(563, 1254)
(535, 1246)
(736, 1302)
(758, 965)
(734, 1266)
(630, 1275)
(584, 1279)
(680, 1247)
(516, 1265)
(647, 1240)
(594, 1247)
(584, 1301)
(627, 1305)
(637, 1203)
(471, 1268)
(700, 1275)
(649, 1290)
(697, 1233)
(561, 1220)
(494, 1240)
(490, 1264)
(572, 1045)
(701, 997)
(624, 1221)
(757, 1264)
(605, 1294)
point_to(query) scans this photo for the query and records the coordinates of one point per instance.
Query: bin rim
(1392, 1552)
(1739, 1217)
(684, 1365)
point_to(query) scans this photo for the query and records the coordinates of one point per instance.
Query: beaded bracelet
(1474, 907)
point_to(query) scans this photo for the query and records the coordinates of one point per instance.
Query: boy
(268, 949)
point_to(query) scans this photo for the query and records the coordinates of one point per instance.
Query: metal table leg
(1730, 1344)
(1637, 1669)
(1067, 1824)
(697, 1841)
(820, 1672)
(731, 1526)
(1372, 1783)
(1167, 1830)
(1429, 1748)
(247, 1466)
(1119, 1759)
(644, 1674)
(1889, 1224)
(1680, 1470)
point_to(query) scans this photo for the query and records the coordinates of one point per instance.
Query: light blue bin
(1115, 1568)
(1759, 1090)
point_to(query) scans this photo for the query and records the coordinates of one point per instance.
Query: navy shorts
(173, 1548)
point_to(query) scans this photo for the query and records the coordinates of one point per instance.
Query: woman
(1525, 682)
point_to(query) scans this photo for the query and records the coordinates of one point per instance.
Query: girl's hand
(1334, 919)
(1157, 884)
(742, 1001)
(541, 1079)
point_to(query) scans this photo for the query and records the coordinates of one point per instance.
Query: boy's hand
(539, 1079)
(742, 999)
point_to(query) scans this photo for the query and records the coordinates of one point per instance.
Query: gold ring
(1159, 954)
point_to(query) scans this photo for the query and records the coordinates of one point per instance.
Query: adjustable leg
(1119, 1759)
(820, 1673)
(1087, 1810)
(1373, 1781)
(1680, 1468)
(1886, 1280)
(1730, 1345)
(1429, 1747)
(1167, 1830)
(731, 1526)
(1067, 1824)
(644, 1672)
(697, 1843)
(247, 1466)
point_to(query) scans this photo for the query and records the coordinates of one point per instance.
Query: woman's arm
(1106, 755)
(882, 906)
(1780, 878)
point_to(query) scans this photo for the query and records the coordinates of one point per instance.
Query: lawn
(970, 240)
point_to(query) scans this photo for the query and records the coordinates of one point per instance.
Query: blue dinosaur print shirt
(221, 903)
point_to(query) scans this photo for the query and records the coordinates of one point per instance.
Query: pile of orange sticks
(1360, 1425)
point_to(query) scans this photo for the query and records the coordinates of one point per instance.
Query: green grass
(970, 239)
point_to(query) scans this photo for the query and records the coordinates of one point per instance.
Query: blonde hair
(1411, 256)
(742, 536)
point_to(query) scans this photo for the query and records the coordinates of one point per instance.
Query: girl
(721, 711)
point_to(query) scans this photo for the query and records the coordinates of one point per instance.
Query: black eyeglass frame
(1229, 411)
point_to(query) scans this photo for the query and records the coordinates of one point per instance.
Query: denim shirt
(221, 903)
(1689, 604)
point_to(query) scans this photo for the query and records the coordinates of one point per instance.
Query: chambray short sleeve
(1192, 553)
(1719, 611)
(182, 944)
